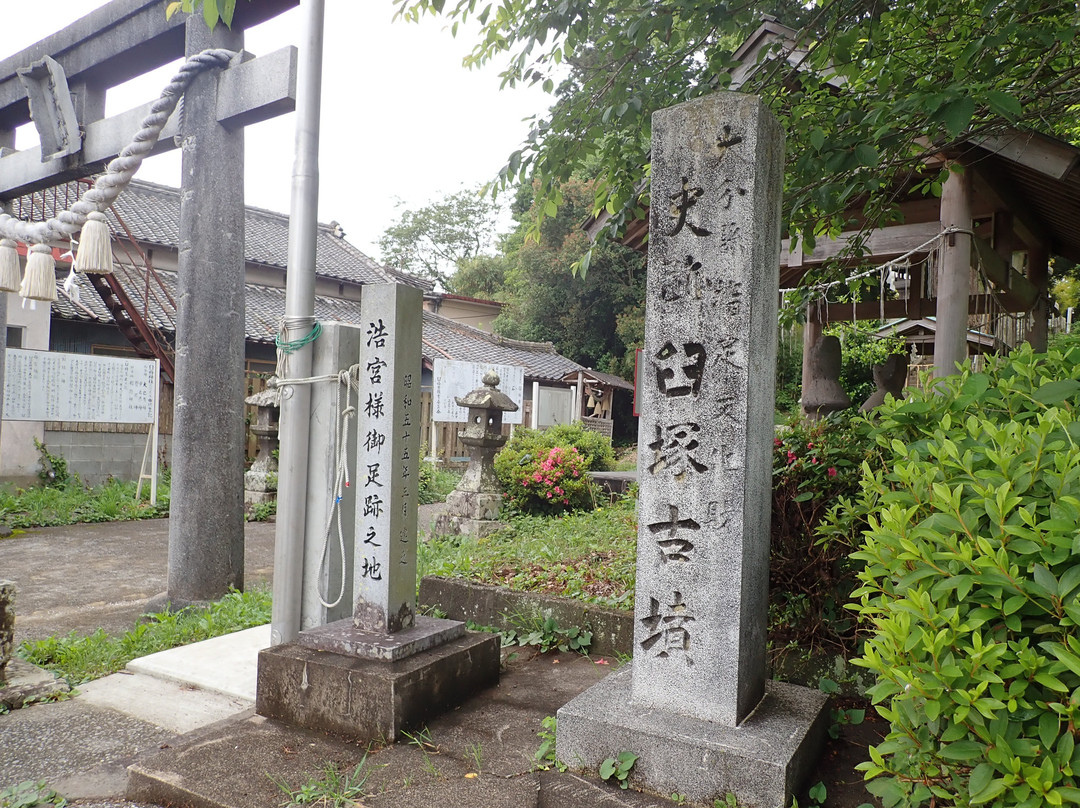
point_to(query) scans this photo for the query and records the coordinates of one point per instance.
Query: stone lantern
(473, 507)
(260, 481)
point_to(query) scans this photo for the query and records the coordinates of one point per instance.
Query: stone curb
(486, 605)
(613, 629)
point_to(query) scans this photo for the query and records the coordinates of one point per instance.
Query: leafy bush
(537, 479)
(594, 447)
(546, 481)
(814, 463)
(970, 583)
(54, 468)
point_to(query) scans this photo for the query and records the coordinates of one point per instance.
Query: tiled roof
(265, 305)
(152, 214)
(603, 378)
(449, 340)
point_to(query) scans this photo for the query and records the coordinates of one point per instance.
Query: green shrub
(545, 480)
(814, 463)
(535, 479)
(970, 585)
(54, 468)
(594, 447)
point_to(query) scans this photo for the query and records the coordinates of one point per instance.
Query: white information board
(49, 386)
(453, 379)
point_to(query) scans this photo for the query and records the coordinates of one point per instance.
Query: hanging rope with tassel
(87, 214)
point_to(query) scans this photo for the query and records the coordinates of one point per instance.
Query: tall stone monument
(386, 668)
(695, 704)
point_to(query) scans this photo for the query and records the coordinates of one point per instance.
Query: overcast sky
(402, 120)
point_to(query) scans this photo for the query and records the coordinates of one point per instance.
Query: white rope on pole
(108, 186)
(350, 380)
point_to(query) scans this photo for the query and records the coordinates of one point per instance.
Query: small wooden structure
(594, 397)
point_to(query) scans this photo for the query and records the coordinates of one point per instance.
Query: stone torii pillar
(206, 528)
(107, 47)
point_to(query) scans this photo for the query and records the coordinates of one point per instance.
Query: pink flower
(832, 471)
(549, 495)
(558, 490)
(809, 446)
(791, 458)
(777, 442)
(813, 461)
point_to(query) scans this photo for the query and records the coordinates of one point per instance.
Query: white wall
(18, 457)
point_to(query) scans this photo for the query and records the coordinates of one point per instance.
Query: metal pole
(299, 319)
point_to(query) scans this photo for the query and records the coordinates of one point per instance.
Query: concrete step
(226, 665)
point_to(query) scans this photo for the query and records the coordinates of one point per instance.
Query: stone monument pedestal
(763, 761)
(20, 682)
(337, 678)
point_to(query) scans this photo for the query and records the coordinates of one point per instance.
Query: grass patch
(436, 482)
(588, 556)
(74, 502)
(82, 658)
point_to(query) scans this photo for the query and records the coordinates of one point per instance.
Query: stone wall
(96, 455)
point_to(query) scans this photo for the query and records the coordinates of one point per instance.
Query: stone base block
(450, 525)
(258, 497)
(480, 505)
(762, 762)
(372, 699)
(342, 637)
(24, 683)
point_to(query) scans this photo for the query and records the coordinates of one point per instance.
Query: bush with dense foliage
(970, 584)
(545, 471)
(814, 463)
(546, 481)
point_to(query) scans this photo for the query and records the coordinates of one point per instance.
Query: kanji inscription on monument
(695, 704)
(388, 448)
(707, 414)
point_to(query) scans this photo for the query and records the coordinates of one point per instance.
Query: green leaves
(970, 585)
(956, 115)
(619, 768)
(1056, 392)
(212, 10)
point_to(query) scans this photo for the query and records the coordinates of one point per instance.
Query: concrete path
(84, 577)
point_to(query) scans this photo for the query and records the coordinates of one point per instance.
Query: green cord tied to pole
(291, 346)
